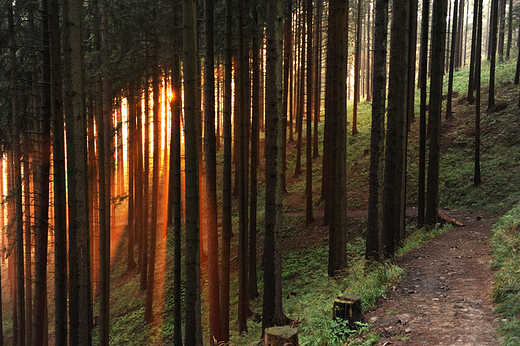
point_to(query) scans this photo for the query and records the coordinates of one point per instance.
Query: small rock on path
(444, 299)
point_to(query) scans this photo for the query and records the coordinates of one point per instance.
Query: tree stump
(281, 336)
(348, 307)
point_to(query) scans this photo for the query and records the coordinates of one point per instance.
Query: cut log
(281, 336)
(446, 219)
(348, 307)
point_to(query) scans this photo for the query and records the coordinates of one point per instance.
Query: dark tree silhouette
(377, 132)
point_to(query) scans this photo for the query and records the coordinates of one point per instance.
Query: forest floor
(444, 298)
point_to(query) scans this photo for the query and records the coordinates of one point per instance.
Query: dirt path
(444, 299)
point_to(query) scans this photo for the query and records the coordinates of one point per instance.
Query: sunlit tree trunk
(309, 218)
(226, 180)
(255, 123)
(20, 287)
(104, 143)
(2, 223)
(301, 95)
(146, 195)
(148, 315)
(211, 175)
(193, 327)
(131, 159)
(377, 132)
(93, 206)
(60, 196)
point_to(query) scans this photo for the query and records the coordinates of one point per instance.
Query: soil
(444, 298)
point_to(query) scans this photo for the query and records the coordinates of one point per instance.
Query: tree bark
(377, 132)
(272, 261)
(211, 176)
(226, 181)
(357, 63)
(42, 221)
(193, 327)
(20, 288)
(255, 132)
(336, 114)
(60, 197)
(493, 53)
(477, 178)
(423, 73)
(449, 114)
(309, 218)
(437, 63)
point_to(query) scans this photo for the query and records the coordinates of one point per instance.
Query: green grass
(505, 248)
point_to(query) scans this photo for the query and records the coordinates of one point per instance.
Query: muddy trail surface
(444, 298)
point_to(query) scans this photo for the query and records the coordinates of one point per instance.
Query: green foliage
(505, 245)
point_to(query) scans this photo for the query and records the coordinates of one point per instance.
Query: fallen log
(451, 221)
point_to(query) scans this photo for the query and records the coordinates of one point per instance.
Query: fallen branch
(446, 219)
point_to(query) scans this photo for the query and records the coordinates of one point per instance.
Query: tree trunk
(477, 179)
(175, 186)
(211, 176)
(357, 63)
(287, 72)
(509, 29)
(272, 260)
(193, 327)
(148, 315)
(42, 221)
(309, 218)
(502, 28)
(146, 194)
(493, 53)
(244, 115)
(471, 81)
(60, 196)
(226, 181)
(317, 81)
(423, 72)
(449, 114)
(335, 113)
(255, 123)
(80, 313)
(131, 159)
(396, 129)
(20, 287)
(437, 63)
(377, 132)
(301, 98)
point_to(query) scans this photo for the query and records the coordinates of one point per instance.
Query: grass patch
(505, 248)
